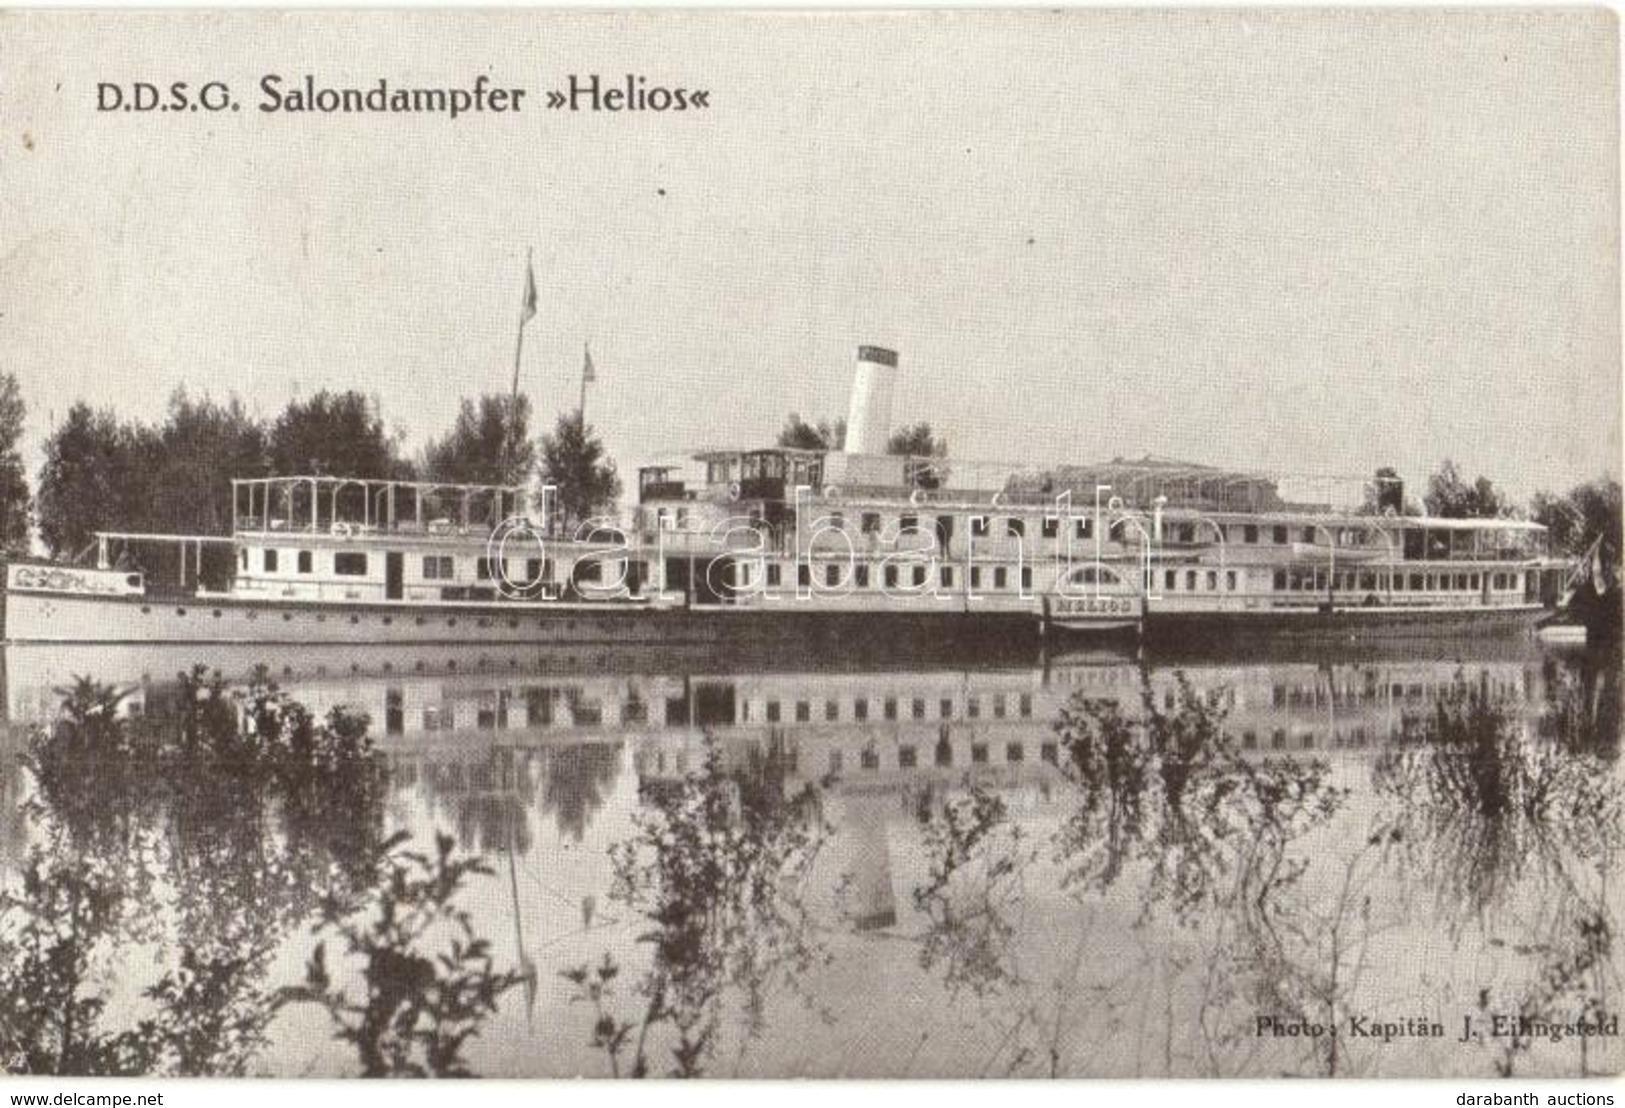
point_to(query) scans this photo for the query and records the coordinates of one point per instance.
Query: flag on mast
(529, 309)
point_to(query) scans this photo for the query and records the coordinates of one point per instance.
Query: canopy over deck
(315, 504)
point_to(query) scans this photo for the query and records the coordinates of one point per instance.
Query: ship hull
(1347, 627)
(40, 617)
(47, 618)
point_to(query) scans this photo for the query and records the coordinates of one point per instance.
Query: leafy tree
(13, 477)
(337, 434)
(1451, 496)
(95, 478)
(488, 445)
(920, 444)
(202, 445)
(797, 434)
(1382, 492)
(580, 476)
(1575, 519)
(1588, 513)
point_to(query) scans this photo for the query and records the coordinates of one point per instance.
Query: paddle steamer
(811, 547)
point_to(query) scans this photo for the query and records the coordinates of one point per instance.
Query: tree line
(104, 473)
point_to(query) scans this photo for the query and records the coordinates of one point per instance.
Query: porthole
(355, 619)
(217, 613)
(321, 617)
(180, 611)
(421, 621)
(388, 620)
(514, 623)
(146, 609)
(287, 616)
(451, 623)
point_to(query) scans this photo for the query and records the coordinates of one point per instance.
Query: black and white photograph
(841, 545)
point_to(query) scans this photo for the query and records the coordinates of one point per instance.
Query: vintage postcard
(850, 544)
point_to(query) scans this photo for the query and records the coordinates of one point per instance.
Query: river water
(1396, 863)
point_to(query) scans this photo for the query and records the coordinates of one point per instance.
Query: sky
(1308, 242)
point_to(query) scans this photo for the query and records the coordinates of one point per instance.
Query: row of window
(837, 575)
(893, 708)
(436, 567)
(346, 563)
(1195, 579)
(943, 755)
(1305, 581)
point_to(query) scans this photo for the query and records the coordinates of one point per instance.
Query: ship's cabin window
(832, 575)
(775, 574)
(486, 568)
(1190, 579)
(861, 575)
(306, 561)
(1279, 536)
(1280, 580)
(1309, 534)
(975, 577)
(1249, 533)
(947, 574)
(919, 575)
(1170, 578)
(1212, 580)
(891, 577)
(1398, 582)
(350, 563)
(907, 525)
(1085, 528)
(978, 526)
(437, 567)
(1092, 575)
(1230, 579)
(1416, 582)
(870, 522)
(1185, 533)
(1051, 527)
(1015, 528)
(1026, 577)
(837, 521)
(804, 575)
(1000, 577)
(270, 561)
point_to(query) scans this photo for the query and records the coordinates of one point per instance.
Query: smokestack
(868, 419)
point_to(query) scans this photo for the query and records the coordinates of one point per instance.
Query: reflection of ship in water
(487, 736)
